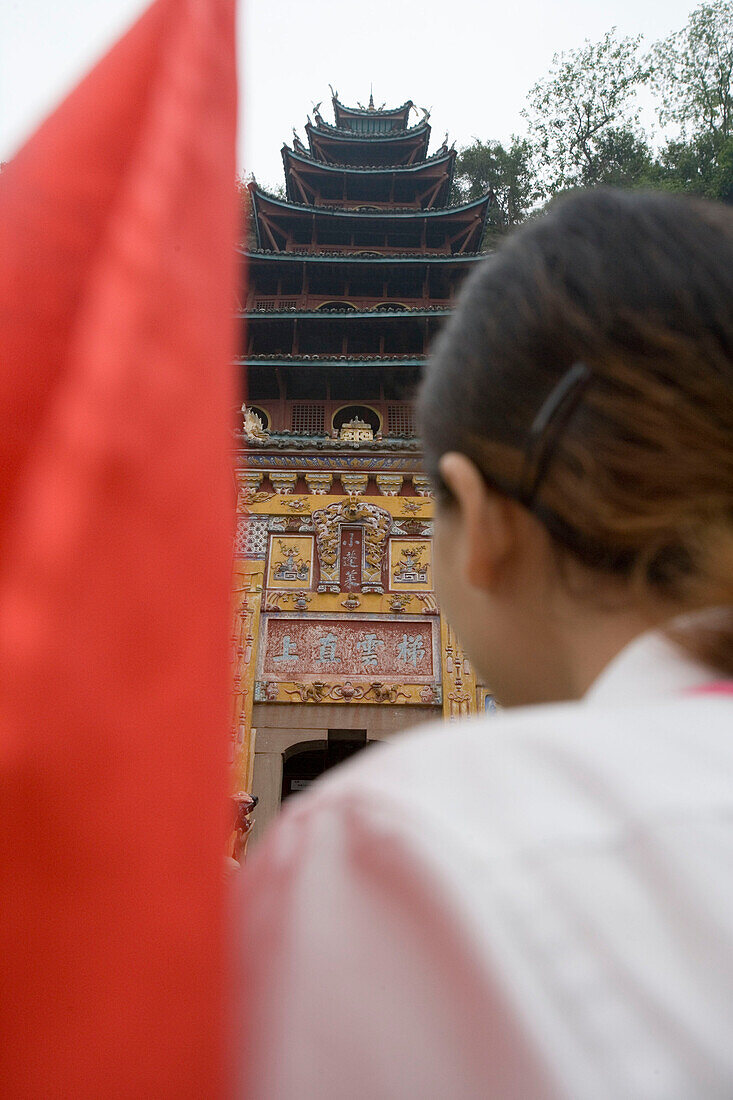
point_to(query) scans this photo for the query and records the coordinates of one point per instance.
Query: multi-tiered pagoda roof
(358, 264)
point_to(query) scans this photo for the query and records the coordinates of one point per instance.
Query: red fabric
(117, 227)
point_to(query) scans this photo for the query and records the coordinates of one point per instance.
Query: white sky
(471, 61)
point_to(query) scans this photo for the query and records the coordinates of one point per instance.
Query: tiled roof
(366, 358)
(330, 254)
(380, 213)
(345, 312)
(357, 135)
(440, 154)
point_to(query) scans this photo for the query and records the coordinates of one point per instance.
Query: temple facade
(338, 640)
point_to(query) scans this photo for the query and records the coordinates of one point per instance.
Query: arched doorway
(306, 761)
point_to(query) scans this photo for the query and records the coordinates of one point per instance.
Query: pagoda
(338, 640)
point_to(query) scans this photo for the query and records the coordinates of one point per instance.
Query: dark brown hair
(638, 481)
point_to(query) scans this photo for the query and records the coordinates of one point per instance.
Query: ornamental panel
(291, 561)
(251, 538)
(328, 522)
(362, 650)
(410, 565)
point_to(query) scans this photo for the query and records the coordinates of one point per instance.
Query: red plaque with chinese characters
(365, 648)
(351, 558)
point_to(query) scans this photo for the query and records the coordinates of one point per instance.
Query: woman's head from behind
(577, 418)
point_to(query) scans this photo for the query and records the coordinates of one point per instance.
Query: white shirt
(529, 905)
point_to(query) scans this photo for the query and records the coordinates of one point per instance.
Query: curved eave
(329, 361)
(341, 110)
(332, 133)
(261, 197)
(337, 314)
(344, 257)
(369, 169)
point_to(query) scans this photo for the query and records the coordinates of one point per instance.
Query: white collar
(648, 667)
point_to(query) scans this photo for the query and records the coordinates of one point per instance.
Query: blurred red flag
(117, 231)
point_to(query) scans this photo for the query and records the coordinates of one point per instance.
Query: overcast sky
(470, 61)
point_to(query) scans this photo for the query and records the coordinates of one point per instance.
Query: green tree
(507, 173)
(583, 118)
(701, 166)
(693, 73)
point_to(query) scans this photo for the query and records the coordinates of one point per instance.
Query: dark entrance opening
(305, 762)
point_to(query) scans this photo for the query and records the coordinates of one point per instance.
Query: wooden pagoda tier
(286, 226)
(307, 281)
(339, 146)
(370, 120)
(298, 389)
(342, 332)
(360, 263)
(424, 185)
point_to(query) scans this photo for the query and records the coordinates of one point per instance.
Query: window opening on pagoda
(365, 341)
(290, 283)
(261, 384)
(357, 422)
(404, 338)
(404, 285)
(355, 383)
(308, 419)
(335, 235)
(269, 341)
(400, 385)
(401, 420)
(369, 236)
(366, 284)
(326, 281)
(342, 307)
(405, 238)
(306, 385)
(324, 336)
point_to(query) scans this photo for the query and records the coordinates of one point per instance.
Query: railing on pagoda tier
(375, 250)
(352, 303)
(365, 205)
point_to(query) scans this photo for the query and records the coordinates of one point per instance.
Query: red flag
(117, 227)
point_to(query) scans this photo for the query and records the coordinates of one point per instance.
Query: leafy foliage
(693, 73)
(506, 172)
(701, 166)
(584, 128)
(584, 124)
(583, 119)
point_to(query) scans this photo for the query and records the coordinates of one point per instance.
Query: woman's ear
(485, 519)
